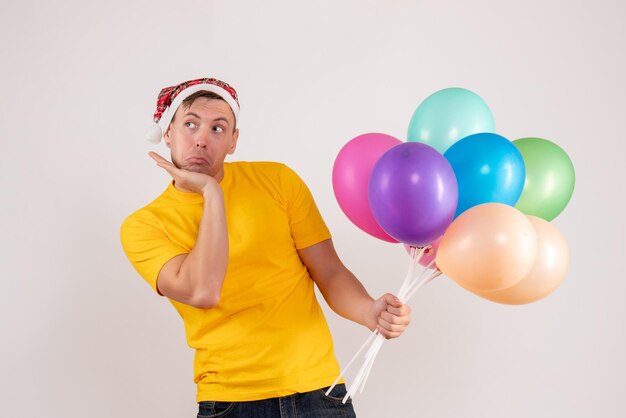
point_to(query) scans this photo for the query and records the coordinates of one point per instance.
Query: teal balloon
(449, 115)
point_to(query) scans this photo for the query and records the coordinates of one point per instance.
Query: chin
(198, 169)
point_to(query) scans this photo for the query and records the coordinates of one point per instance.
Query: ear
(167, 137)
(233, 145)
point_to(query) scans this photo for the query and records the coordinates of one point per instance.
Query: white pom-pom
(154, 133)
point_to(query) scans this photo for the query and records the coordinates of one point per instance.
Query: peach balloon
(488, 247)
(547, 273)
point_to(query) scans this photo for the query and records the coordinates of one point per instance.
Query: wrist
(210, 190)
(369, 317)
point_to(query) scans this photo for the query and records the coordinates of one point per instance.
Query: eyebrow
(192, 114)
(221, 118)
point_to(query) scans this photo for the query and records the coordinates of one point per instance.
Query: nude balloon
(546, 274)
(491, 246)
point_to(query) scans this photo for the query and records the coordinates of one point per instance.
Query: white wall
(83, 335)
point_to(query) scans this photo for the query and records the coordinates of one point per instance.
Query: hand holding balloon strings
(410, 285)
(409, 291)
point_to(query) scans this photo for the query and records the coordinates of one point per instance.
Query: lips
(197, 160)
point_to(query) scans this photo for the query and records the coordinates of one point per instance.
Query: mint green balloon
(549, 181)
(449, 115)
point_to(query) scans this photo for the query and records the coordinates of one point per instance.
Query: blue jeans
(314, 404)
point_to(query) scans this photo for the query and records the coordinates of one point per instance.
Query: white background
(83, 335)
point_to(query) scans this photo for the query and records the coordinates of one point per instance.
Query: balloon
(413, 193)
(447, 116)
(488, 168)
(351, 173)
(489, 247)
(429, 253)
(549, 178)
(546, 274)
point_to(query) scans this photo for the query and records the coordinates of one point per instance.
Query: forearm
(204, 268)
(347, 297)
(345, 294)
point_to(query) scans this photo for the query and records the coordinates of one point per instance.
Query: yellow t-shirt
(267, 337)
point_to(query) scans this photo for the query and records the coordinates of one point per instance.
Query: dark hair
(209, 95)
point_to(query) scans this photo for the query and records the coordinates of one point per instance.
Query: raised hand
(186, 180)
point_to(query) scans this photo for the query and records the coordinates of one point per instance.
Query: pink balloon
(429, 254)
(351, 173)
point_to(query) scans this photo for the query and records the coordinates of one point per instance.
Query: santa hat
(171, 97)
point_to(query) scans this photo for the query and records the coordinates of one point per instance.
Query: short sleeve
(147, 246)
(305, 220)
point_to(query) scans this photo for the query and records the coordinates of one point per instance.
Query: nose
(202, 139)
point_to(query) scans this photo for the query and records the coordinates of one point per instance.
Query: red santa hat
(171, 97)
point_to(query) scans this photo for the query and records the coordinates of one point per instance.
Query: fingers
(392, 326)
(392, 321)
(156, 157)
(163, 163)
(392, 300)
(387, 333)
(389, 318)
(403, 310)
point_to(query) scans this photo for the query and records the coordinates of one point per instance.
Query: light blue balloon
(488, 168)
(447, 116)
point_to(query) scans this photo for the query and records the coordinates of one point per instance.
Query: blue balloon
(448, 115)
(488, 169)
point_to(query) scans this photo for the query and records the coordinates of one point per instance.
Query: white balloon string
(415, 254)
(371, 362)
(430, 265)
(356, 382)
(415, 282)
(345, 369)
(428, 279)
(409, 285)
(361, 376)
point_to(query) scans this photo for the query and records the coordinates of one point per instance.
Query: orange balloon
(547, 273)
(488, 247)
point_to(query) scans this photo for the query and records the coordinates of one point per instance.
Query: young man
(237, 248)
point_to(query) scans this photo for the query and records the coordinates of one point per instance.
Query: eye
(218, 129)
(190, 125)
